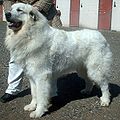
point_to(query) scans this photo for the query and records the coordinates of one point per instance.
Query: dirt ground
(70, 104)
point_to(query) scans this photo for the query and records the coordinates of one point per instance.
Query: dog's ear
(34, 14)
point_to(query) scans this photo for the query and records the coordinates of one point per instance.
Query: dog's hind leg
(98, 71)
(103, 84)
(32, 105)
(82, 72)
(88, 87)
(105, 98)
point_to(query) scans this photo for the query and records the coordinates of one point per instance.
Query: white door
(115, 23)
(64, 7)
(89, 13)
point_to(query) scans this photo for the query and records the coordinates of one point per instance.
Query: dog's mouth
(15, 25)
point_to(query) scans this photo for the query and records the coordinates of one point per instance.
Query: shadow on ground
(69, 88)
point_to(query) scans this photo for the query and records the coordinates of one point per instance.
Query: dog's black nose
(8, 14)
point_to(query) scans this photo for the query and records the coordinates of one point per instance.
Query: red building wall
(105, 11)
(74, 12)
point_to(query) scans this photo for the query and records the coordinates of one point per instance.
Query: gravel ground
(70, 105)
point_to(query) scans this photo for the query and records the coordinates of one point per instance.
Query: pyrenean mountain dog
(46, 53)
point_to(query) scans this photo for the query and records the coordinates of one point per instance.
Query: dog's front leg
(43, 94)
(32, 105)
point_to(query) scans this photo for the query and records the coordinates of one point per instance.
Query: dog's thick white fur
(46, 53)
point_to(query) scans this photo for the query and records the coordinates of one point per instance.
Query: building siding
(71, 11)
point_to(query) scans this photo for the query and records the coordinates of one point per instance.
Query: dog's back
(46, 53)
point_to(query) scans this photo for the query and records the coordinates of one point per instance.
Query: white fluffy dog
(46, 53)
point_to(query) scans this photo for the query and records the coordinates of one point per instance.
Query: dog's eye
(19, 10)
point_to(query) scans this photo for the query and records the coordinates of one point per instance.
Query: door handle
(81, 5)
(115, 4)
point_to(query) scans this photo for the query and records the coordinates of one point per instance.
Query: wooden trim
(105, 12)
(74, 12)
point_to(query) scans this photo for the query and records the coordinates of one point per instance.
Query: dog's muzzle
(8, 15)
(13, 23)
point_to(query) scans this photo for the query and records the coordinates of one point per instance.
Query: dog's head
(19, 14)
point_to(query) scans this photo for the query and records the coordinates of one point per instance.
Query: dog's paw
(37, 113)
(105, 101)
(30, 107)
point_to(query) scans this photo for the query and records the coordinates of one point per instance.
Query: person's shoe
(7, 97)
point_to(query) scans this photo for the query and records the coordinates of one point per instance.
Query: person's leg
(14, 78)
(14, 81)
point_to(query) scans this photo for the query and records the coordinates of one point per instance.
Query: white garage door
(115, 23)
(89, 13)
(64, 7)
